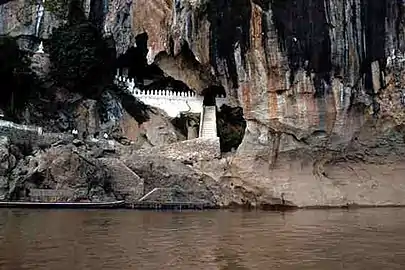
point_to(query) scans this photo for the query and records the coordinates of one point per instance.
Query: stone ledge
(187, 151)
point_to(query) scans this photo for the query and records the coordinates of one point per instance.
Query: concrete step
(209, 125)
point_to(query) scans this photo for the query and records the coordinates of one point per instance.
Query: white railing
(12, 125)
(130, 83)
(163, 93)
(208, 124)
(201, 123)
(171, 101)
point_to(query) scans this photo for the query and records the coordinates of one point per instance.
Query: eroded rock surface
(165, 173)
(310, 77)
(104, 170)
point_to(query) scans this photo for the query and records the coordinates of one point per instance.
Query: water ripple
(371, 239)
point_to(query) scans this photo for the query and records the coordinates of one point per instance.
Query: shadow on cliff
(83, 62)
(19, 82)
(133, 106)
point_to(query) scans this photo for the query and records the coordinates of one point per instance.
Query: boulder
(61, 168)
(7, 163)
(189, 151)
(126, 184)
(176, 179)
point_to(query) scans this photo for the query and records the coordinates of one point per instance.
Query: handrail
(148, 194)
(154, 190)
(201, 121)
(9, 124)
(215, 122)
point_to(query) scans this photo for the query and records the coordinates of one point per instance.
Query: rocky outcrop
(309, 75)
(100, 171)
(189, 151)
(159, 131)
(7, 163)
(125, 184)
(165, 173)
(60, 168)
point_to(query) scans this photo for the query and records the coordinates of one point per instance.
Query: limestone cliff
(320, 83)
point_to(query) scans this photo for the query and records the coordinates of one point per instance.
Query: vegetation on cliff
(83, 61)
(19, 82)
(81, 58)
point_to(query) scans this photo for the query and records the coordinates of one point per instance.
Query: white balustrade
(171, 101)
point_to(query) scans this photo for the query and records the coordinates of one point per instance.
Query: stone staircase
(208, 123)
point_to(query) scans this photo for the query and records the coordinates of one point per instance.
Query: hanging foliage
(80, 56)
(15, 73)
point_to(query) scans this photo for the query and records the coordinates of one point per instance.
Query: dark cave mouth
(133, 64)
(230, 122)
(211, 93)
(231, 127)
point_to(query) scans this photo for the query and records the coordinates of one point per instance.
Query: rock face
(60, 168)
(126, 184)
(75, 170)
(189, 151)
(309, 75)
(7, 163)
(320, 83)
(176, 181)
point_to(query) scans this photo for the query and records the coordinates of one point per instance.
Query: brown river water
(121, 239)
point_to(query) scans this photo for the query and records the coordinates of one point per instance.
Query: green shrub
(58, 8)
(19, 83)
(80, 57)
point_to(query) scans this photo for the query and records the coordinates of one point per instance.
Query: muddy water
(325, 240)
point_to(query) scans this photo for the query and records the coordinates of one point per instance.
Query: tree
(81, 58)
(15, 75)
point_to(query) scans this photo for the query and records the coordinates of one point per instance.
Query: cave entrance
(231, 127)
(209, 99)
(211, 93)
(167, 83)
(133, 64)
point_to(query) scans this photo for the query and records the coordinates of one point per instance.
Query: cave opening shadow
(211, 93)
(133, 63)
(231, 127)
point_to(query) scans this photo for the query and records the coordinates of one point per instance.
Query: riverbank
(58, 167)
(170, 206)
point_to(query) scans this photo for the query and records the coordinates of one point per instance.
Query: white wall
(172, 102)
(173, 105)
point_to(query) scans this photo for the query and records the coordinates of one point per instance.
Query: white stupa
(40, 48)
